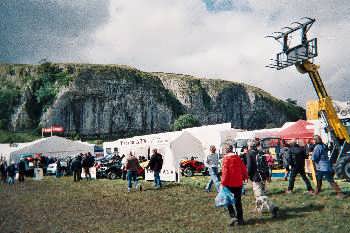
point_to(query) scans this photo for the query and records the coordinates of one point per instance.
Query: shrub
(186, 121)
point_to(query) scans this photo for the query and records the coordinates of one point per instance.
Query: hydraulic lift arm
(326, 107)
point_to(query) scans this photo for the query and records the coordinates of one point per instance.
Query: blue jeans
(131, 176)
(214, 179)
(157, 182)
(10, 180)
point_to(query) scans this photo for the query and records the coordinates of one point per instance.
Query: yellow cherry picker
(301, 56)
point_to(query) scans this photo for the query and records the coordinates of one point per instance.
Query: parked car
(51, 169)
(191, 166)
(111, 169)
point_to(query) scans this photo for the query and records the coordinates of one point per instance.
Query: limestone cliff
(113, 101)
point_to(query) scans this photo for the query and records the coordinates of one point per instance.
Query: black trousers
(87, 173)
(77, 175)
(21, 176)
(237, 192)
(294, 173)
(4, 177)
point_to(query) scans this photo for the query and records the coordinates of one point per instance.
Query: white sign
(38, 174)
(166, 174)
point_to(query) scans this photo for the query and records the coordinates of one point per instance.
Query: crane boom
(325, 102)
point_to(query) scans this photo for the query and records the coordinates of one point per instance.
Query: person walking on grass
(76, 168)
(11, 173)
(86, 166)
(156, 164)
(21, 170)
(3, 170)
(258, 175)
(296, 158)
(212, 162)
(323, 167)
(234, 172)
(58, 168)
(284, 156)
(132, 165)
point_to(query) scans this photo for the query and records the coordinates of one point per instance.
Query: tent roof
(211, 134)
(264, 133)
(54, 146)
(186, 145)
(300, 129)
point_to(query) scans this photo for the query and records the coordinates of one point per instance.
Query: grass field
(59, 205)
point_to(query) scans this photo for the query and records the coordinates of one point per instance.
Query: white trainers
(234, 222)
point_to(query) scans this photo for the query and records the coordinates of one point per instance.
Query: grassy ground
(59, 205)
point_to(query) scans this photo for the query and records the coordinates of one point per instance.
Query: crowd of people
(254, 165)
(26, 166)
(8, 171)
(80, 163)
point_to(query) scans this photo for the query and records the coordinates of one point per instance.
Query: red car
(190, 166)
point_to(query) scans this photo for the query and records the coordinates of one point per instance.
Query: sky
(219, 39)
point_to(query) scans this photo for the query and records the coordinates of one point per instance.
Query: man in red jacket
(234, 172)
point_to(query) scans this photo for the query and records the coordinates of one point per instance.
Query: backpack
(262, 166)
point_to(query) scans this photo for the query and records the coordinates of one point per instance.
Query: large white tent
(7, 148)
(174, 146)
(52, 147)
(217, 135)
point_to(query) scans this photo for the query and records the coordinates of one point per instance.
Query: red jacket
(233, 171)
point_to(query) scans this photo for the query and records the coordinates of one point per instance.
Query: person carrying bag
(234, 172)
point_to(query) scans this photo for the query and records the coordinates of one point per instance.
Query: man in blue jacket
(323, 166)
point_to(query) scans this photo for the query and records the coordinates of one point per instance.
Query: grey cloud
(35, 29)
(181, 37)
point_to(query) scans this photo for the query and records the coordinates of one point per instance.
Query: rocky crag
(109, 101)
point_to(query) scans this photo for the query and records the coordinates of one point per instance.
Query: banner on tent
(166, 174)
